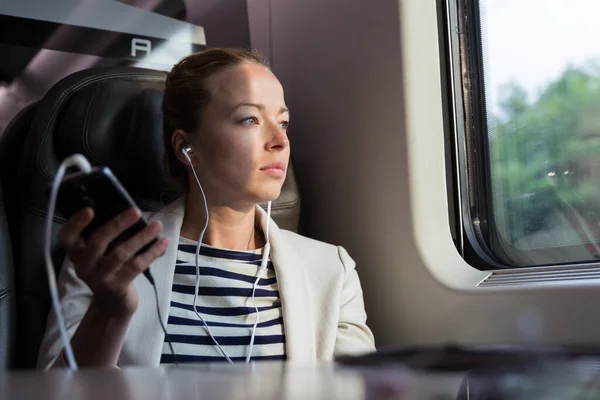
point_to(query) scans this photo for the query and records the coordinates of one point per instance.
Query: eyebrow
(260, 107)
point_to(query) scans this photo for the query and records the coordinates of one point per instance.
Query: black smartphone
(102, 191)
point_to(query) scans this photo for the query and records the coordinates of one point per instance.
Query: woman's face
(241, 145)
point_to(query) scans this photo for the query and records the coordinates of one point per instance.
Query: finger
(84, 264)
(127, 250)
(141, 263)
(76, 252)
(101, 237)
(70, 233)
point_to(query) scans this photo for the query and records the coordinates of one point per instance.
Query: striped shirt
(225, 303)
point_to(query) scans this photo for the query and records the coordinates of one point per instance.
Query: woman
(225, 127)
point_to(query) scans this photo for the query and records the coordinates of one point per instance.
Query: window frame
(464, 116)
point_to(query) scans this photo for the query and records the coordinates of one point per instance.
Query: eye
(249, 121)
(284, 125)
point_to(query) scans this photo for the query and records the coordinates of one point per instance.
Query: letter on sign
(140, 44)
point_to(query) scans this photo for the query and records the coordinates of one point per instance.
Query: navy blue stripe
(225, 291)
(226, 340)
(223, 311)
(196, 322)
(209, 271)
(221, 253)
(192, 264)
(168, 358)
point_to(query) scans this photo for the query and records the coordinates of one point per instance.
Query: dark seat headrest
(119, 123)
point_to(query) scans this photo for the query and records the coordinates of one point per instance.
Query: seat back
(11, 144)
(113, 117)
(7, 304)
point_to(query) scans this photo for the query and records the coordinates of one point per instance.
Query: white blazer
(321, 299)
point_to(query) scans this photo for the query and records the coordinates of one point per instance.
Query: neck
(228, 227)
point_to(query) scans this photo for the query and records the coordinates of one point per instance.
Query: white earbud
(186, 150)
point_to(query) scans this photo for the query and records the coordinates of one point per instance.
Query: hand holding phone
(102, 191)
(106, 238)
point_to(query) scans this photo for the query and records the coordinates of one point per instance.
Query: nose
(278, 139)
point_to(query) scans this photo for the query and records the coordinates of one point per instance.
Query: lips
(274, 166)
(275, 169)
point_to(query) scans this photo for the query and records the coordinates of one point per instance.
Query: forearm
(99, 339)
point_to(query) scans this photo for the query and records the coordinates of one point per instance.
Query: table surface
(285, 381)
(259, 381)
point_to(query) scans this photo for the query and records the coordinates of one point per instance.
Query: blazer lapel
(295, 293)
(145, 347)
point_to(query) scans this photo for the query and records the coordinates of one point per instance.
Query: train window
(525, 79)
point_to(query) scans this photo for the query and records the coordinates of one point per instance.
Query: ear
(179, 140)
